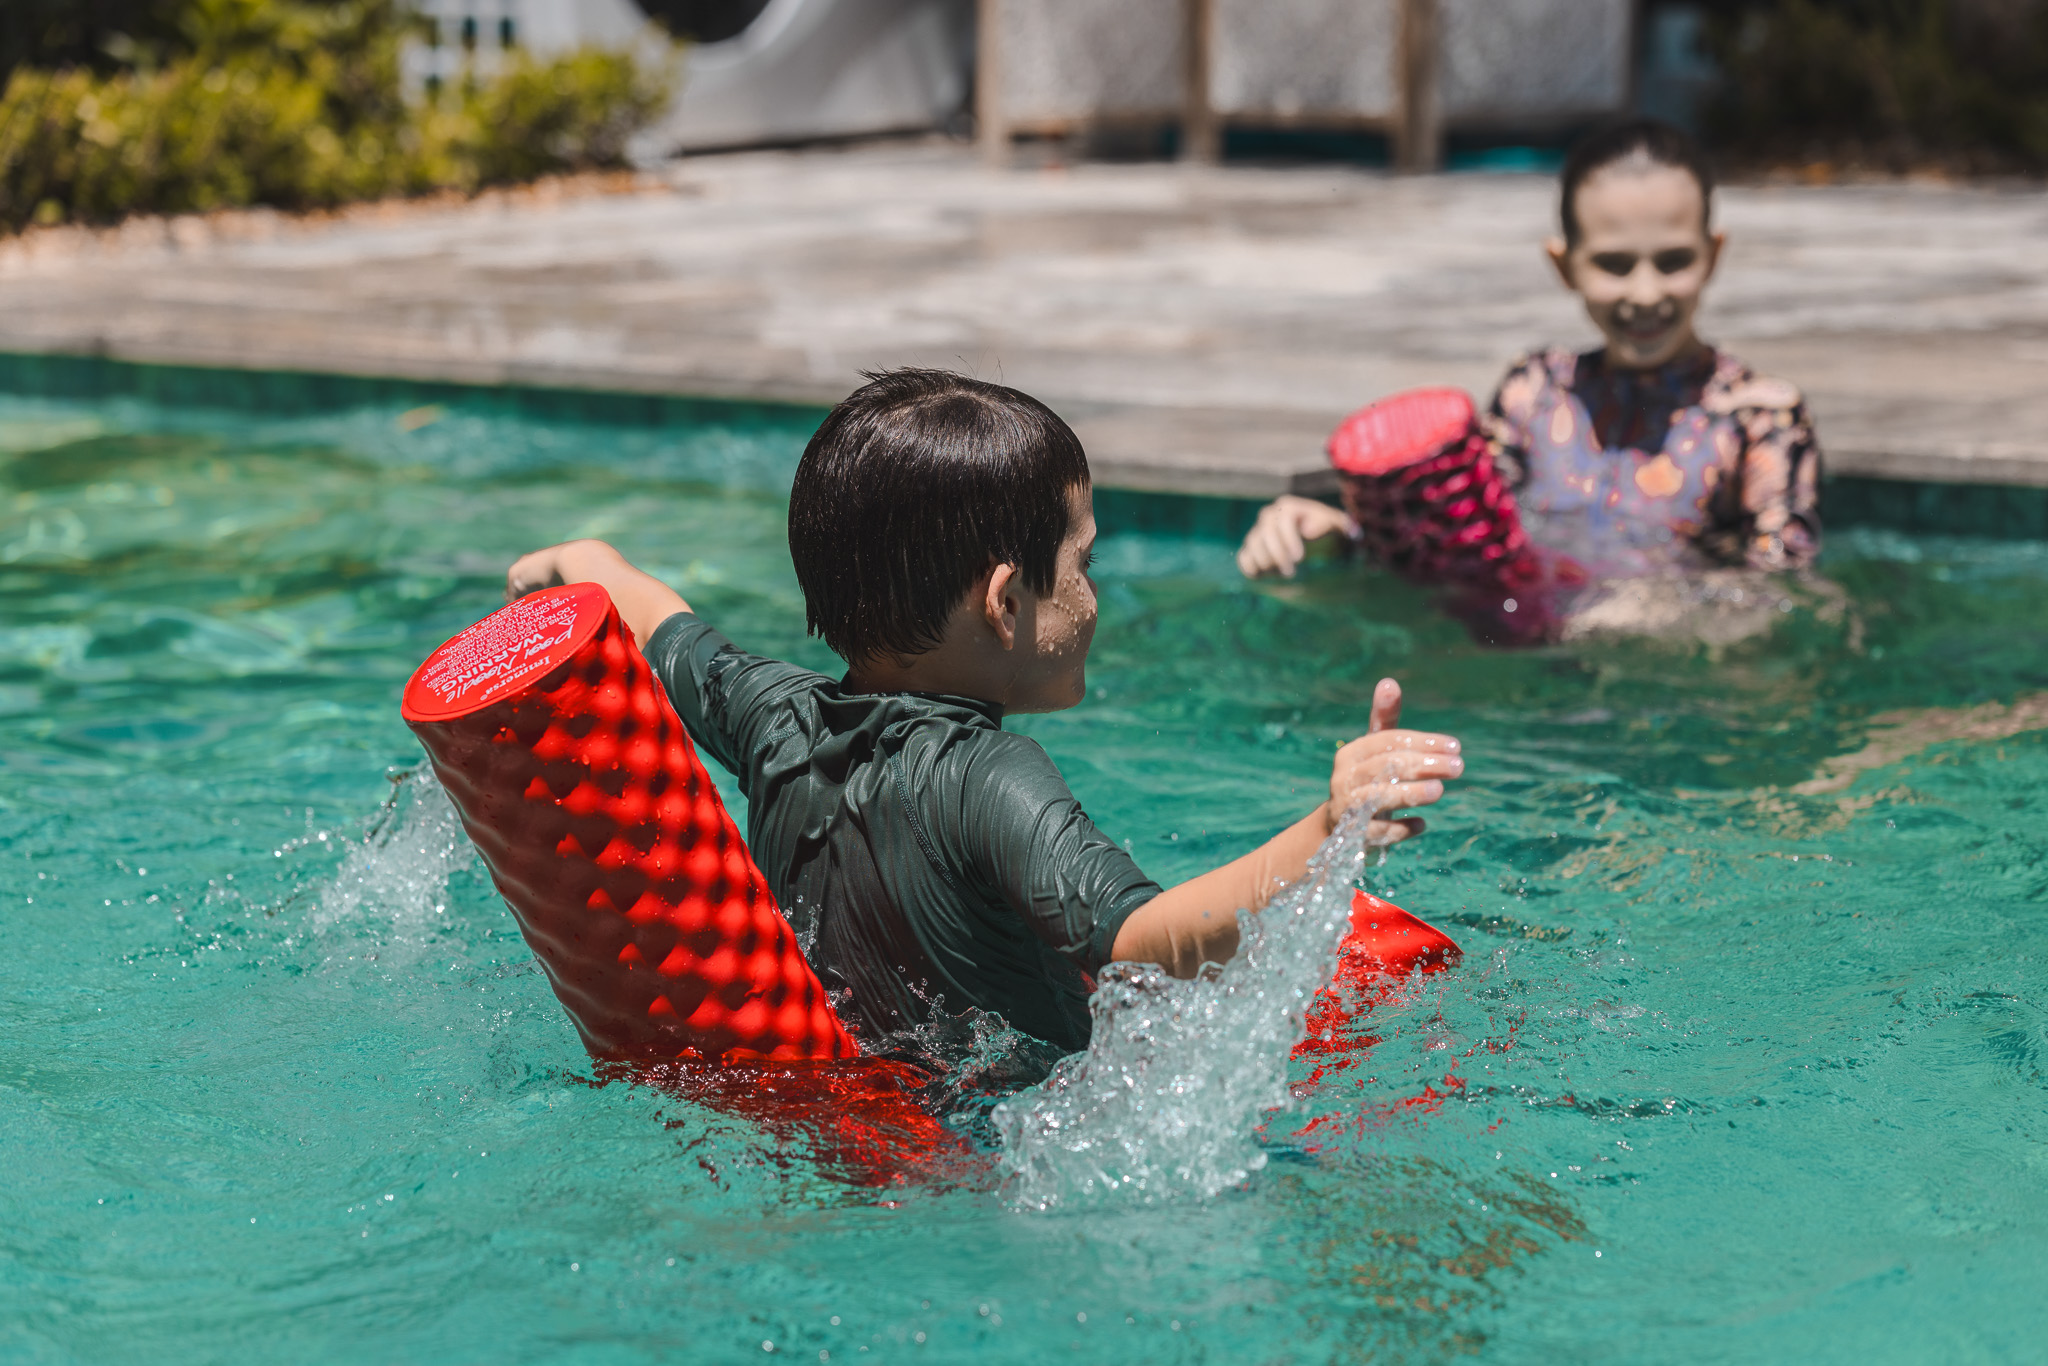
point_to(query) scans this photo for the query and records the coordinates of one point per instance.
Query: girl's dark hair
(1650, 139)
(909, 490)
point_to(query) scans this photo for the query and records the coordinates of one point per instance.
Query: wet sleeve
(1780, 487)
(1505, 424)
(1027, 837)
(731, 702)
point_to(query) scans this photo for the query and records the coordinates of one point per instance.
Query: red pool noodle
(1419, 480)
(579, 786)
(1383, 947)
(1421, 484)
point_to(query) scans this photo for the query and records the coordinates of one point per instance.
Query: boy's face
(1062, 622)
(1642, 259)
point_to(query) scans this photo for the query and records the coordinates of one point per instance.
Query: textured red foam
(579, 786)
(1396, 432)
(861, 1120)
(1419, 480)
(1383, 946)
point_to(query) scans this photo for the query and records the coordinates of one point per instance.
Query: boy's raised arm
(1384, 770)
(644, 602)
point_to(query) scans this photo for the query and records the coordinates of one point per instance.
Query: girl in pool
(1655, 452)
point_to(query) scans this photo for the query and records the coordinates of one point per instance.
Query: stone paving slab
(1203, 328)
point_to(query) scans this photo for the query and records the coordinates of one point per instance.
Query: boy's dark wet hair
(1653, 141)
(910, 489)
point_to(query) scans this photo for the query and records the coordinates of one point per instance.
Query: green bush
(299, 105)
(1895, 82)
(537, 117)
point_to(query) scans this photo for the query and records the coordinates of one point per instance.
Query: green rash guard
(939, 861)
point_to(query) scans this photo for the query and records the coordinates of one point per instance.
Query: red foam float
(862, 1120)
(1419, 480)
(581, 790)
(1384, 947)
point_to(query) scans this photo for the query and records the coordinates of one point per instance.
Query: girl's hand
(1278, 541)
(1386, 770)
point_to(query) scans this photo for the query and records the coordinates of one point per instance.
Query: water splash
(1166, 1102)
(399, 873)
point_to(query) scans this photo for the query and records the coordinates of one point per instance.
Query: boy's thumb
(1386, 706)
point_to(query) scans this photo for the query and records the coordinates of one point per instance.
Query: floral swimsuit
(1702, 461)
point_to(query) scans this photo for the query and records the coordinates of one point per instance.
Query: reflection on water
(1752, 1006)
(1895, 735)
(1714, 608)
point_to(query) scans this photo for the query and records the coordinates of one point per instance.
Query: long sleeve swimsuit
(1702, 461)
(931, 859)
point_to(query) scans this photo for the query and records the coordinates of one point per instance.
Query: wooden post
(991, 127)
(1419, 140)
(1201, 139)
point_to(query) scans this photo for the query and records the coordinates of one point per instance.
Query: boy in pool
(942, 530)
(1656, 451)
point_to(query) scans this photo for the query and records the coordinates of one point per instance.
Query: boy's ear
(999, 605)
(1715, 242)
(1560, 254)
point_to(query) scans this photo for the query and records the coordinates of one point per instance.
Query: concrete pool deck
(1202, 327)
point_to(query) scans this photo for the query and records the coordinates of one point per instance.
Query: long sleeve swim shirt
(930, 859)
(1699, 461)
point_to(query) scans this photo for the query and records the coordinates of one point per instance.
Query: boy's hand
(1386, 770)
(532, 572)
(644, 602)
(1278, 541)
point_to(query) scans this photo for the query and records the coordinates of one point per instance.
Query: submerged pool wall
(1921, 507)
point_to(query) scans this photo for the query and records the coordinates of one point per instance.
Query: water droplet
(1180, 1073)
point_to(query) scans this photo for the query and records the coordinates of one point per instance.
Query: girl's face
(1642, 258)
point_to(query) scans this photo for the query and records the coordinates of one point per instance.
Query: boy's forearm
(644, 602)
(1196, 922)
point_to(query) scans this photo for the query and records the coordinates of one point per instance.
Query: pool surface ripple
(1746, 1060)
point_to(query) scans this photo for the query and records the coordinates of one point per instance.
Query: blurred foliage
(298, 104)
(65, 33)
(1897, 83)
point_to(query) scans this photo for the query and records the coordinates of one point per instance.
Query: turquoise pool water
(1747, 1059)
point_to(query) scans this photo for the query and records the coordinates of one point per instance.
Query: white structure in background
(799, 70)
(828, 68)
(476, 34)
(1409, 68)
(796, 70)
